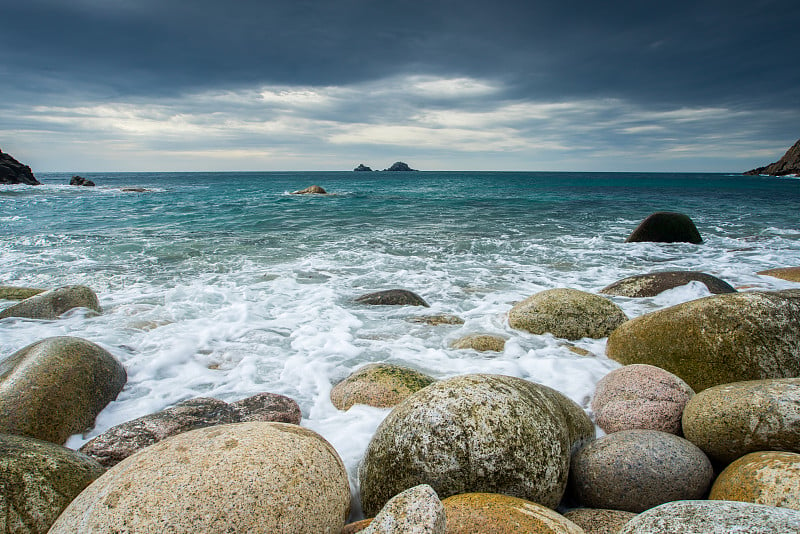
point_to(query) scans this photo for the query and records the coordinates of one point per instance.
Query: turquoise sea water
(225, 285)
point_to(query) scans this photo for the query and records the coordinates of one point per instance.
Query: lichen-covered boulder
(792, 274)
(417, 510)
(713, 517)
(18, 293)
(473, 513)
(38, 479)
(666, 227)
(770, 477)
(717, 339)
(731, 420)
(475, 433)
(54, 388)
(634, 470)
(243, 477)
(640, 396)
(566, 313)
(599, 521)
(650, 285)
(378, 384)
(480, 342)
(392, 297)
(52, 304)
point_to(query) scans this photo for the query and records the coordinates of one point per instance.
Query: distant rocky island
(14, 172)
(396, 166)
(362, 168)
(788, 164)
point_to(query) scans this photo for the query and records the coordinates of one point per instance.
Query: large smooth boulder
(381, 385)
(640, 396)
(731, 420)
(51, 304)
(244, 477)
(18, 293)
(566, 313)
(392, 297)
(54, 388)
(475, 433)
(714, 517)
(650, 285)
(417, 510)
(599, 521)
(14, 172)
(717, 339)
(479, 513)
(38, 480)
(769, 477)
(792, 274)
(666, 227)
(123, 440)
(634, 470)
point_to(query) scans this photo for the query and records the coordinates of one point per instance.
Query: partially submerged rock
(14, 172)
(666, 227)
(311, 190)
(769, 477)
(417, 510)
(480, 342)
(392, 297)
(80, 180)
(52, 304)
(650, 285)
(18, 293)
(379, 384)
(436, 320)
(792, 274)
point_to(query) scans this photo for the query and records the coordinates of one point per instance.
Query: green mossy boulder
(52, 304)
(381, 385)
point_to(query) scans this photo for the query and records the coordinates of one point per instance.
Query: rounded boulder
(792, 274)
(473, 513)
(480, 342)
(666, 227)
(52, 304)
(770, 477)
(650, 285)
(378, 384)
(392, 297)
(243, 477)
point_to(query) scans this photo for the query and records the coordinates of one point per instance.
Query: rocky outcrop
(480, 342)
(769, 477)
(417, 510)
(121, 441)
(311, 190)
(362, 168)
(14, 172)
(56, 387)
(37, 481)
(52, 304)
(788, 164)
(80, 180)
(650, 285)
(378, 384)
(392, 297)
(400, 166)
(244, 477)
(666, 227)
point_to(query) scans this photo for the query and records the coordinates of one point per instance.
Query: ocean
(225, 285)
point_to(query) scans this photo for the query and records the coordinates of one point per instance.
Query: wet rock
(52, 304)
(475, 433)
(18, 293)
(717, 339)
(54, 388)
(650, 285)
(379, 384)
(640, 396)
(598, 521)
(80, 180)
(473, 513)
(436, 320)
(666, 227)
(14, 172)
(244, 477)
(38, 480)
(770, 477)
(356, 526)
(788, 164)
(480, 342)
(417, 510)
(392, 297)
(713, 517)
(566, 313)
(792, 274)
(634, 470)
(731, 420)
(362, 168)
(311, 190)
(121, 441)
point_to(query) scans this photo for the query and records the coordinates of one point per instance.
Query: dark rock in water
(51, 304)
(788, 164)
(134, 190)
(80, 180)
(311, 190)
(14, 172)
(666, 227)
(436, 320)
(400, 166)
(362, 168)
(393, 297)
(269, 407)
(650, 285)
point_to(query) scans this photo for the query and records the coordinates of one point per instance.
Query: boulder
(243, 477)
(792, 274)
(436, 320)
(54, 388)
(598, 521)
(666, 227)
(362, 168)
(788, 164)
(417, 510)
(480, 342)
(311, 190)
(18, 293)
(634, 470)
(713, 517)
(731, 420)
(640, 396)
(37, 481)
(80, 180)
(650, 285)
(400, 166)
(475, 433)
(52, 304)
(770, 477)
(392, 297)
(121, 441)
(14, 172)
(566, 313)
(717, 339)
(378, 384)
(478, 513)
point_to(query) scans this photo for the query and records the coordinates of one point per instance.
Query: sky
(567, 85)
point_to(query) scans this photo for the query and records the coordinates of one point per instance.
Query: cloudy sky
(621, 85)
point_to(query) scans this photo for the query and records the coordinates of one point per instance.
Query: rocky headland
(788, 164)
(14, 172)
